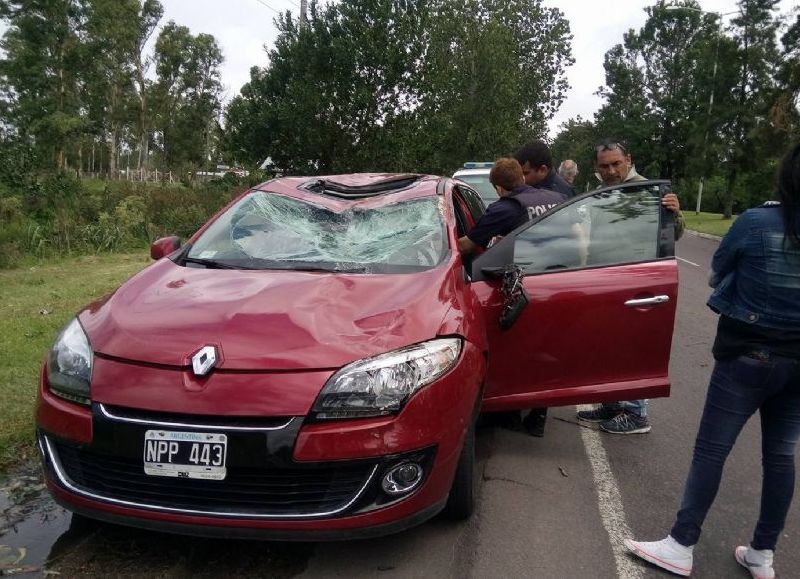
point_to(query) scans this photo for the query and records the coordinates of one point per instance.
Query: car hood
(266, 320)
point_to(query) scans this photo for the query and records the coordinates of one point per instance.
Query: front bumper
(286, 480)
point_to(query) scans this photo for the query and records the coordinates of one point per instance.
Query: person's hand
(671, 202)
(494, 241)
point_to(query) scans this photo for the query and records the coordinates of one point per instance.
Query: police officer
(536, 161)
(518, 202)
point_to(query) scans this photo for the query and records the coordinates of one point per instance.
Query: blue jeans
(636, 406)
(739, 387)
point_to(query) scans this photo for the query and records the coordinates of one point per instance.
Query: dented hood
(266, 320)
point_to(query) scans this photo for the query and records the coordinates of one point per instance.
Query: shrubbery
(58, 214)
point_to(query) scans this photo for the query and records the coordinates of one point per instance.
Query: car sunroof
(334, 189)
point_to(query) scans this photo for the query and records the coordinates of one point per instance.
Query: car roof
(462, 172)
(379, 188)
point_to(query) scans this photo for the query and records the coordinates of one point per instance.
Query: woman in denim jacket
(756, 278)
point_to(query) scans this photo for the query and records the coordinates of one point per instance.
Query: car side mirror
(163, 246)
(516, 298)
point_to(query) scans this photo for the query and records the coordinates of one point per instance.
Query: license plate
(185, 454)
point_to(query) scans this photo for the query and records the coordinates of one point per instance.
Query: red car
(311, 364)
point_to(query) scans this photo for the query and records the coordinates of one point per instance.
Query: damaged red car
(311, 363)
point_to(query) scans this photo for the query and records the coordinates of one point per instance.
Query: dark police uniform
(555, 182)
(508, 213)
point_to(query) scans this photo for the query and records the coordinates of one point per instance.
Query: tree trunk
(113, 161)
(61, 96)
(112, 151)
(727, 210)
(144, 141)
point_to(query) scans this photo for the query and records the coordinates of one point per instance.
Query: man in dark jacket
(537, 167)
(517, 204)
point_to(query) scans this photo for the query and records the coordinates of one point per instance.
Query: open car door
(602, 282)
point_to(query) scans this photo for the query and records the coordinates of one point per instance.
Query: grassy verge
(712, 223)
(37, 302)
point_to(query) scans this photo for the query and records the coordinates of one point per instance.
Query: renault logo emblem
(204, 360)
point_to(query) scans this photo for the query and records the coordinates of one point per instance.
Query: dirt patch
(109, 550)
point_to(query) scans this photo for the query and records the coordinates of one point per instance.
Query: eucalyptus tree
(111, 42)
(148, 15)
(187, 94)
(40, 73)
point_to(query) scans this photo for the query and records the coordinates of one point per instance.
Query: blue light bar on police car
(478, 165)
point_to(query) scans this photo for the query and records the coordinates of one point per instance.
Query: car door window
(464, 220)
(611, 226)
(474, 202)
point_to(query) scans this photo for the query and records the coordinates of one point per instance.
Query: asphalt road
(558, 506)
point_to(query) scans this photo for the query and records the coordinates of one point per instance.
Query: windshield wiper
(213, 264)
(324, 269)
(296, 265)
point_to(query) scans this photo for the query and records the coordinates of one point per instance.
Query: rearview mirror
(163, 246)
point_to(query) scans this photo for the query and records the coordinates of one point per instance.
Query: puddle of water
(31, 521)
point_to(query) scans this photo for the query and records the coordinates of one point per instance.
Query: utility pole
(303, 8)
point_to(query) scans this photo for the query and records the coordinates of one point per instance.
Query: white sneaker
(666, 553)
(759, 563)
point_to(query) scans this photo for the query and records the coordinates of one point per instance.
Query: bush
(19, 234)
(59, 215)
(19, 159)
(103, 235)
(181, 211)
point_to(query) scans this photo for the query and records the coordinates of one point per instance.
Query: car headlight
(69, 365)
(381, 385)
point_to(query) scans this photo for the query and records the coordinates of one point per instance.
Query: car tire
(461, 500)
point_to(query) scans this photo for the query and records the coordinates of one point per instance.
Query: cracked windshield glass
(269, 231)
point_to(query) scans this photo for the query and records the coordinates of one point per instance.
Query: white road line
(609, 502)
(687, 261)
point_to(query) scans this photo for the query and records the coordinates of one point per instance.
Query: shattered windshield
(269, 231)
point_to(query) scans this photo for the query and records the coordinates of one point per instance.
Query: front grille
(119, 413)
(289, 492)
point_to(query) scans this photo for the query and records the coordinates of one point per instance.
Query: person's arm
(466, 245)
(498, 220)
(727, 253)
(671, 202)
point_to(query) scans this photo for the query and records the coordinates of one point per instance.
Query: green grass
(36, 302)
(707, 222)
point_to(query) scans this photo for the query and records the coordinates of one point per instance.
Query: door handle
(654, 301)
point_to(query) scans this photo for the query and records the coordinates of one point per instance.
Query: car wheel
(461, 501)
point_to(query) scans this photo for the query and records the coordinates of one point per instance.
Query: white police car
(476, 175)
